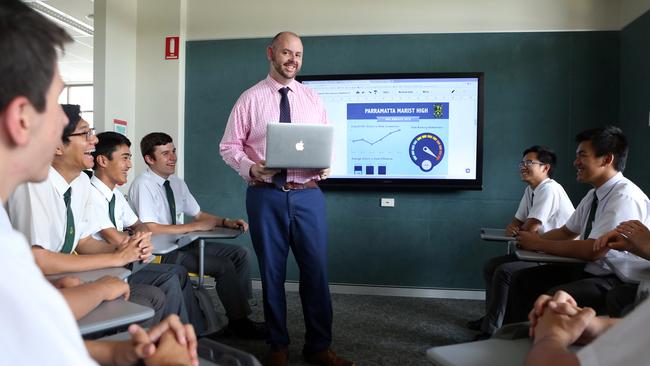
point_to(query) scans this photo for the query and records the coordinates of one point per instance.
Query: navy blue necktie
(285, 117)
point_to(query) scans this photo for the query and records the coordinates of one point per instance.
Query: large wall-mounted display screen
(404, 130)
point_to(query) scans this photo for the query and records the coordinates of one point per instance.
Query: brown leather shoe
(277, 358)
(326, 358)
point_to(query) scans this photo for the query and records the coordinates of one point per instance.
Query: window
(81, 94)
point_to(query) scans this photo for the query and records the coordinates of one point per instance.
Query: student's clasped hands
(136, 247)
(168, 343)
(559, 318)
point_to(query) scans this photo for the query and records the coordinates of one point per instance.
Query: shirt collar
(156, 178)
(58, 181)
(541, 184)
(102, 188)
(273, 84)
(607, 187)
(5, 224)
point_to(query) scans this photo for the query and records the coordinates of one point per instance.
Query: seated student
(557, 322)
(544, 206)
(629, 236)
(150, 195)
(56, 226)
(600, 161)
(112, 163)
(37, 326)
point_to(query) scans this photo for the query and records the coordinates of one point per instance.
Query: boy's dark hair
(28, 53)
(150, 141)
(73, 111)
(607, 140)
(544, 155)
(107, 144)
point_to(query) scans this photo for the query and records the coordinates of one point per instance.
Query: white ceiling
(76, 65)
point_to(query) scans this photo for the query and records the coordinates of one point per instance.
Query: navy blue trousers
(279, 221)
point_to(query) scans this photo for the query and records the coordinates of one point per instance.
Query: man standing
(544, 206)
(285, 208)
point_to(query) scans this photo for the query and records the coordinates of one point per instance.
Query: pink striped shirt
(244, 140)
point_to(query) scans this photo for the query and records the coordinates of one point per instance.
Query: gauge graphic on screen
(427, 151)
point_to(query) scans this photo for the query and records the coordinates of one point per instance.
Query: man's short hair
(73, 111)
(28, 53)
(150, 141)
(607, 140)
(544, 155)
(107, 144)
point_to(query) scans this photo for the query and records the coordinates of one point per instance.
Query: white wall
(210, 19)
(160, 83)
(632, 9)
(115, 64)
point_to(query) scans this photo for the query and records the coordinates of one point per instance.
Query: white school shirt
(149, 201)
(100, 196)
(618, 200)
(550, 205)
(38, 210)
(625, 343)
(38, 327)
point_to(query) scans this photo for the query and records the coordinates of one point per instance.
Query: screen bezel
(401, 183)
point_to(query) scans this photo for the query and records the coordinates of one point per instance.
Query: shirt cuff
(245, 169)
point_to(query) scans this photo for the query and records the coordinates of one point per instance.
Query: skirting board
(391, 291)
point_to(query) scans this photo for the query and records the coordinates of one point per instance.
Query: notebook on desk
(296, 145)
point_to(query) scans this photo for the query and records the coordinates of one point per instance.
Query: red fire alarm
(172, 44)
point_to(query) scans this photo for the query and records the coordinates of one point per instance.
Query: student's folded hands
(168, 343)
(527, 240)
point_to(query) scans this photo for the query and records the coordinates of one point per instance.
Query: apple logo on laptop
(300, 146)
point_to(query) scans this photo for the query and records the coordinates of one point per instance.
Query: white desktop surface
(531, 256)
(112, 314)
(90, 276)
(489, 234)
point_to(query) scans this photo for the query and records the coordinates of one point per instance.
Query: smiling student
(37, 326)
(58, 220)
(116, 219)
(160, 199)
(600, 161)
(543, 207)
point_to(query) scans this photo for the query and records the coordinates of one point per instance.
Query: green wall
(635, 98)
(540, 88)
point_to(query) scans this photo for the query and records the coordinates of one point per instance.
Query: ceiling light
(62, 18)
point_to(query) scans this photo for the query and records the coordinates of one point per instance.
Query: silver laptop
(294, 145)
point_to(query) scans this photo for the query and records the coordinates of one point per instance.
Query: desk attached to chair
(166, 243)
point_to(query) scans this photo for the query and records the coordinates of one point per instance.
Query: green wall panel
(635, 98)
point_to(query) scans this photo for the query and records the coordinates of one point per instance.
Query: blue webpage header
(383, 110)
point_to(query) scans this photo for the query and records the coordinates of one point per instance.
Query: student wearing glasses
(38, 328)
(600, 160)
(58, 219)
(543, 207)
